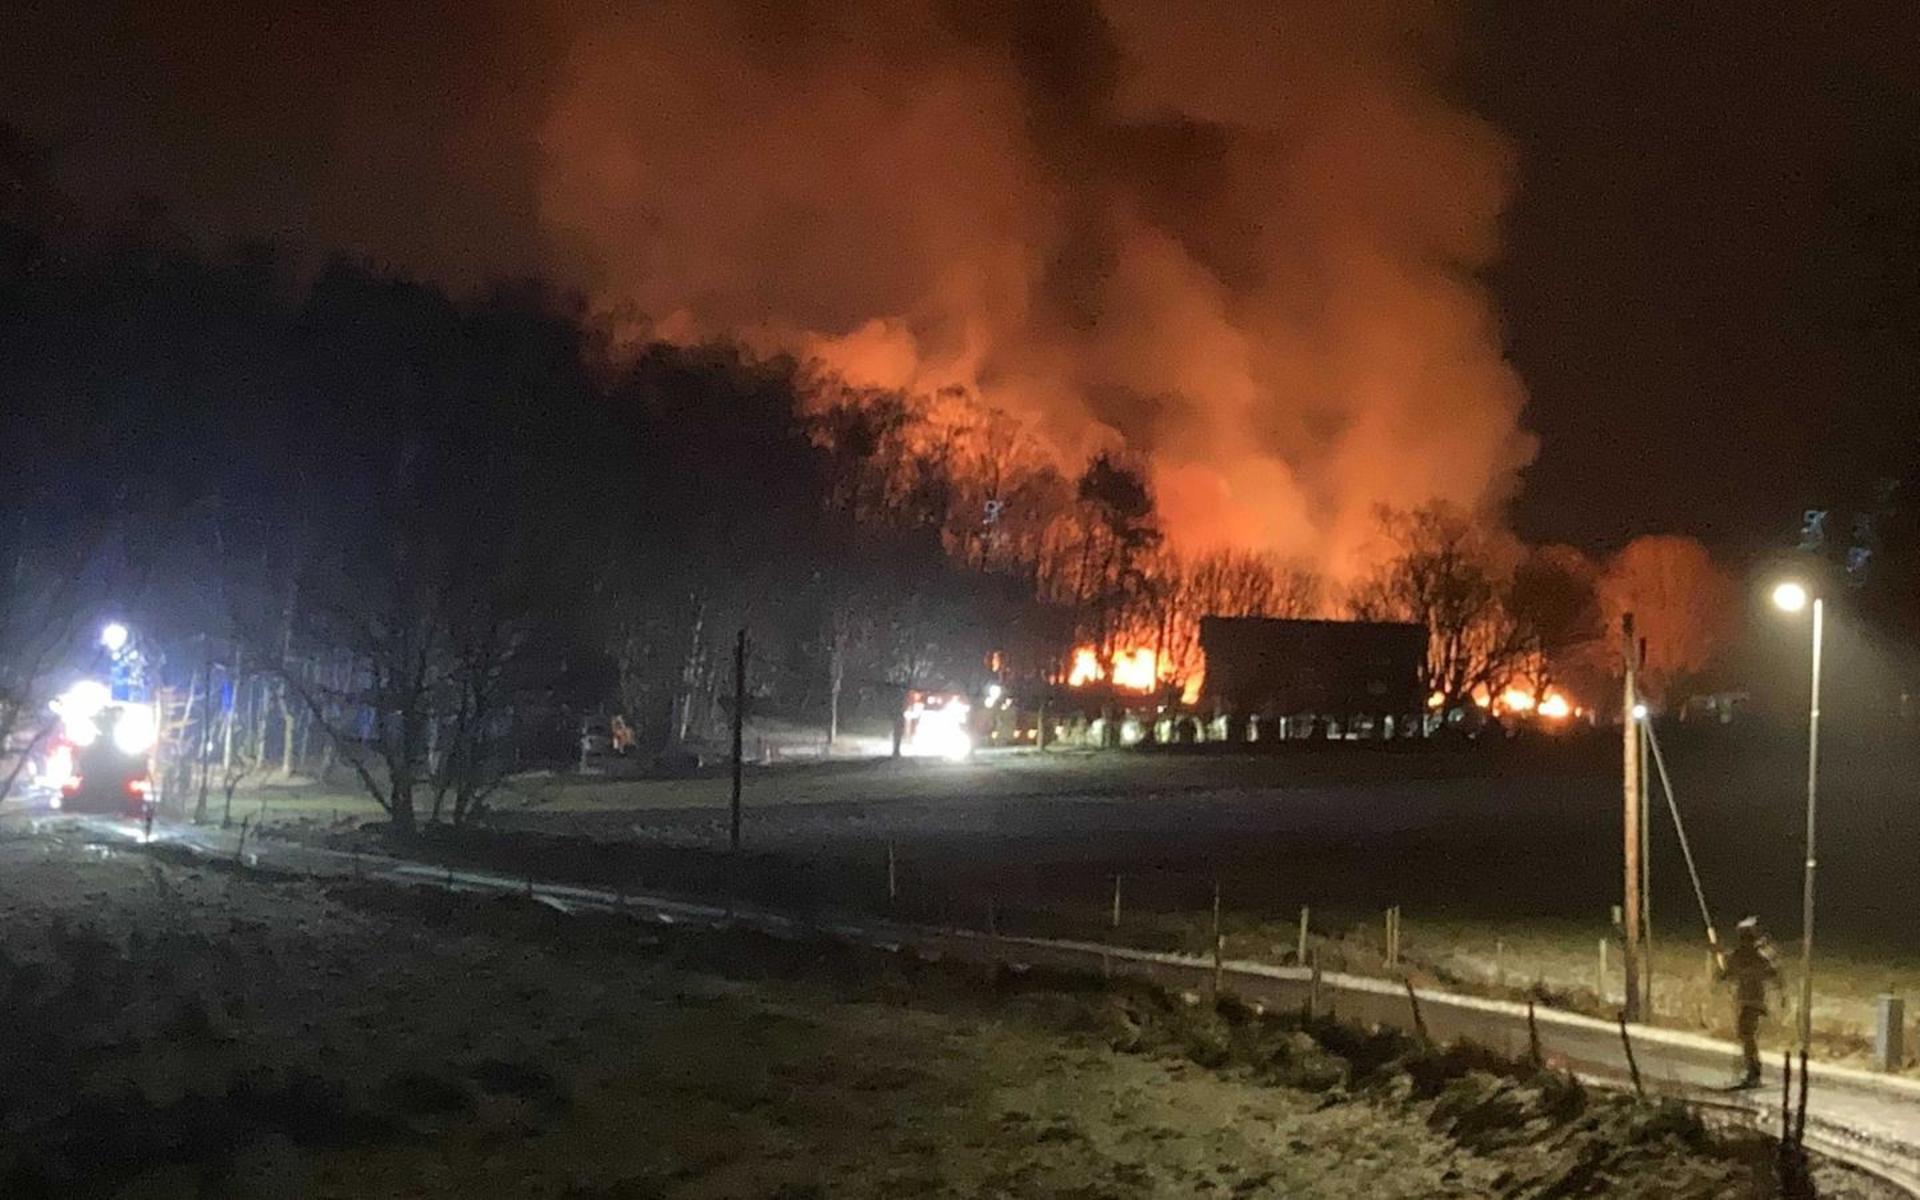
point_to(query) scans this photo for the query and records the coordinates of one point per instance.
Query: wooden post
(1600, 975)
(1533, 1038)
(1218, 940)
(1499, 963)
(1631, 921)
(1313, 987)
(1646, 862)
(739, 729)
(1889, 1034)
(1800, 1118)
(1786, 1100)
(1300, 955)
(893, 874)
(1116, 901)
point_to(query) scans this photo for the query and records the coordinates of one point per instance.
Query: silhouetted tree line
(426, 527)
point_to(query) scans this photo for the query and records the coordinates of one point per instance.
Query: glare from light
(1639, 712)
(1790, 597)
(136, 730)
(940, 728)
(58, 771)
(994, 692)
(114, 637)
(957, 747)
(84, 700)
(78, 706)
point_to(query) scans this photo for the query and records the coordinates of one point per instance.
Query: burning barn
(1274, 677)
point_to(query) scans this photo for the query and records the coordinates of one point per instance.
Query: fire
(1135, 670)
(1086, 668)
(1554, 706)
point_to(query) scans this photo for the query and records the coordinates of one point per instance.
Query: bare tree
(39, 619)
(1441, 572)
(1553, 600)
(1682, 604)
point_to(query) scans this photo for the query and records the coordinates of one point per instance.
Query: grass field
(179, 1030)
(1505, 864)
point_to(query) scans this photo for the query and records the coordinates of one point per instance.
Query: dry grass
(205, 1033)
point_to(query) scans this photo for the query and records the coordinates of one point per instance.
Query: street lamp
(1791, 596)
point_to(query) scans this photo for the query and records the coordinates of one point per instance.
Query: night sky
(1666, 286)
(1669, 282)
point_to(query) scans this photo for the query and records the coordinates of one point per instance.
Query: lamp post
(1792, 597)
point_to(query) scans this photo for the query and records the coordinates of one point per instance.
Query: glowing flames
(1086, 668)
(1135, 670)
(1554, 706)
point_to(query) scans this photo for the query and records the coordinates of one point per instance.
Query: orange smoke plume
(1241, 248)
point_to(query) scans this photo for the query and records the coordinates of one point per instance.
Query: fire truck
(100, 759)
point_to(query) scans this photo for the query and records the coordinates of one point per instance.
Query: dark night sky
(1663, 284)
(1666, 277)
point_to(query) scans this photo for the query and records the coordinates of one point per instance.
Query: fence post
(1116, 901)
(1889, 1034)
(1786, 1101)
(1300, 955)
(1499, 963)
(1600, 974)
(893, 874)
(1218, 940)
(1800, 1117)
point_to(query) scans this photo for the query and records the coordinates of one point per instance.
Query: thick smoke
(1241, 239)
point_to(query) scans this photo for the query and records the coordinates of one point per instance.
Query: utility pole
(1630, 924)
(1646, 849)
(739, 726)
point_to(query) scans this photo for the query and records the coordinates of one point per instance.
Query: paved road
(1870, 1120)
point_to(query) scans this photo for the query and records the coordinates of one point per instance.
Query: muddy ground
(181, 1030)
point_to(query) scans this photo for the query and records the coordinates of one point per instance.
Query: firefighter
(1751, 969)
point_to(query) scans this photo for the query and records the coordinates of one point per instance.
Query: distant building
(1340, 671)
